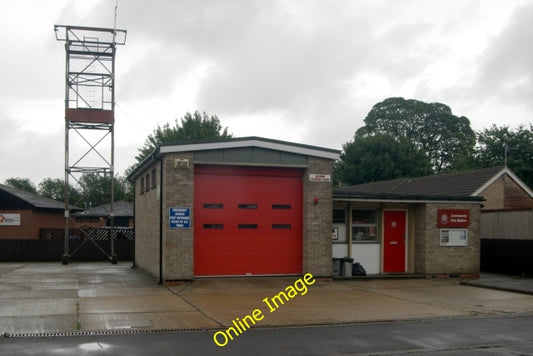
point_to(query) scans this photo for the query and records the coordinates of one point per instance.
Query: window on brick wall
(147, 186)
(153, 179)
(142, 186)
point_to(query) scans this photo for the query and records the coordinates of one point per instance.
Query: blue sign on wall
(179, 218)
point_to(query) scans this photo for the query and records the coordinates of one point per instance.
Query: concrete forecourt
(221, 338)
(50, 299)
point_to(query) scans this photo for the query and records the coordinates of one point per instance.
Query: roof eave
(253, 142)
(404, 198)
(139, 168)
(513, 176)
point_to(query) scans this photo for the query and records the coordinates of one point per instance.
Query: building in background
(24, 214)
(99, 216)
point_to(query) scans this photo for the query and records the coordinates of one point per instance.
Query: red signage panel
(453, 218)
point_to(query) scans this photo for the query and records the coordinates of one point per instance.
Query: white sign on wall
(320, 178)
(454, 237)
(9, 219)
(335, 233)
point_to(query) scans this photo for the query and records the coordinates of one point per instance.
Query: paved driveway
(43, 298)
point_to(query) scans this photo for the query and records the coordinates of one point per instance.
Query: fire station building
(239, 207)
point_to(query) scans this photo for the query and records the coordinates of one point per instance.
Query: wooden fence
(507, 241)
(87, 243)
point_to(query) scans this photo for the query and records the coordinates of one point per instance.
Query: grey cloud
(293, 57)
(507, 69)
(280, 65)
(28, 154)
(264, 55)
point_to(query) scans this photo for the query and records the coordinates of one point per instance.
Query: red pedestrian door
(394, 240)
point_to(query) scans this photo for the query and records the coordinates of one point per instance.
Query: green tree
(127, 188)
(54, 188)
(502, 145)
(95, 189)
(193, 127)
(380, 157)
(24, 184)
(432, 127)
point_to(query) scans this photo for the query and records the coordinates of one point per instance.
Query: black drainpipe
(160, 220)
(134, 228)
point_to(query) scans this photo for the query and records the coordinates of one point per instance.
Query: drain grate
(108, 332)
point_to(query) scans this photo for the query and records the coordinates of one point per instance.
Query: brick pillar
(178, 191)
(317, 219)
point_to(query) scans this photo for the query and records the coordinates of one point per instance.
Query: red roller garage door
(247, 221)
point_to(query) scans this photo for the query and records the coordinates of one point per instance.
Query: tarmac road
(478, 335)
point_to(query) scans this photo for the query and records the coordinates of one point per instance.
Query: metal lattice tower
(89, 109)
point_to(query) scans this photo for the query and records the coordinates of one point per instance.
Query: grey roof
(251, 141)
(451, 186)
(120, 209)
(13, 196)
(239, 142)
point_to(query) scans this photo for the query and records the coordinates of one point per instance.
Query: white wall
(368, 255)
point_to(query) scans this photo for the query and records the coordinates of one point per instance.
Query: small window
(339, 215)
(247, 206)
(153, 179)
(213, 226)
(339, 231)
(364, 217)
(281, 206)
(364, 225)
(142, 186)
(247, 226)
(147, 182)
(281, 226)
(213, 206)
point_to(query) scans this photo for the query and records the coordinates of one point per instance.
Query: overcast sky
(302, 71)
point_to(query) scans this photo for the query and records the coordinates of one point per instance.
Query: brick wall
(147, 223)
(431, 258)
(494, 195)
(178, 244)
(420, 242)
(317, 219)
(31, 222)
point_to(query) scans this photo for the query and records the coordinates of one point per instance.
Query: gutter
(407, 201)
(152, 156)
(404, 198)
(134, 225)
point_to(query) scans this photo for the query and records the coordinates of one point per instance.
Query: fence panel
(50, 246)
(507, 241)
(513, 224)
(513, 257)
